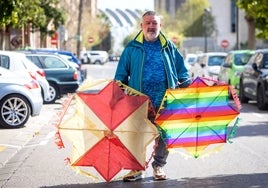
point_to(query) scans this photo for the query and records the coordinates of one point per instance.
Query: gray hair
(151, 13)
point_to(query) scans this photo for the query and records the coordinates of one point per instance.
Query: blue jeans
(161, 152)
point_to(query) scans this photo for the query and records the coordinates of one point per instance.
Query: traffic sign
(54, 39)
(174, 39)
(224, 43)
(90, 39)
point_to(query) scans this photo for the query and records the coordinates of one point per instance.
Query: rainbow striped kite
(197, 116)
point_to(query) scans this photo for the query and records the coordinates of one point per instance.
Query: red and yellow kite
(109, 130)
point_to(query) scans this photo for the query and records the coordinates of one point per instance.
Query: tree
(192, 15)
(98, 28)
(38, 13)
(50, 14)
(256, 16)
(10, 17)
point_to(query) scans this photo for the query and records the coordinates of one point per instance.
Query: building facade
(230, 25)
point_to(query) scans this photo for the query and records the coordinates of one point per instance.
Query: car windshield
(191, 59)
(52, 62)
(215, 60)
(242, 59)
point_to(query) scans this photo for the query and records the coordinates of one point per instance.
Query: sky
(123, 4)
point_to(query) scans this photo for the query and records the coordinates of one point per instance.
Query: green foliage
(18, 13)
(51, 13)
(256, 10)
(8, 13)
(98, 28)
(191, 16)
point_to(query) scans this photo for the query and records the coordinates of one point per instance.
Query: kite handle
(183, 82)
(233, 131)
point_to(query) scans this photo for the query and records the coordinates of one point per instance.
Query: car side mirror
(254, 66)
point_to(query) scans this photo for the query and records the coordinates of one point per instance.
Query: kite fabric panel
(109, 129)
(197, 116)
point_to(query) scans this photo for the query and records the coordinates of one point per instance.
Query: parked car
(67, 55)
(94, 57)
(190, 58)
(20, 98)
(114, 58)
(61, 75)
(208, 65)
(233, 66)
(254, 80)
(19, 64)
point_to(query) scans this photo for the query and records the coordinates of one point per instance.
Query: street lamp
(205, 23)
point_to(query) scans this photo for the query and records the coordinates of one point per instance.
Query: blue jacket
(130, 66)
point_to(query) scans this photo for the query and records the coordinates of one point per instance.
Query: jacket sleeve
(182, 72)
(122, 71)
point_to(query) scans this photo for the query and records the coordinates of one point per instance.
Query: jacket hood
(140, 38)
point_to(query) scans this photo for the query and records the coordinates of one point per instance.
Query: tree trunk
(79, 27)
(42, 40)
(3, 38)
(251, 33)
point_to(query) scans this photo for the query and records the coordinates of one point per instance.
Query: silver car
(20, 98)
(208, 65)
(18, 63)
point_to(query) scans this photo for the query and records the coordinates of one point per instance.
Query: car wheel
(260, 99)
(242, 96)
(88, 61)
(53, 94)
(15, 111)
(84, 73)
(98, 62)
(42, 93)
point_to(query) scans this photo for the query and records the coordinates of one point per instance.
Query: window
(265, 61)
(52, 62)
(233, 16)
(36, 61)
(215, 60)
(4, 61)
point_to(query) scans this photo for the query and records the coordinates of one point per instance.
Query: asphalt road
(30, 158)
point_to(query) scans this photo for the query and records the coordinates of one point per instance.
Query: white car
(18, 63)
(94, 57)
(208, 65)
(190, 58)
(20, 98)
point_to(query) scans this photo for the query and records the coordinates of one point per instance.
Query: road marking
(44, 141)
(9, 145)
(49, 135)
(2, 148)
(257, 114)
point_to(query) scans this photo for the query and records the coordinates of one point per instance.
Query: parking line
(257, 115)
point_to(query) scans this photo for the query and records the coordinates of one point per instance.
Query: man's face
(151, 27)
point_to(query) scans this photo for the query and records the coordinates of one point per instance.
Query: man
(151, 63)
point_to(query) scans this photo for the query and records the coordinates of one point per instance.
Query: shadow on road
(230, 181)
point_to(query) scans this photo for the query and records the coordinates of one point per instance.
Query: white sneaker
(133, 175)
(159, 173)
